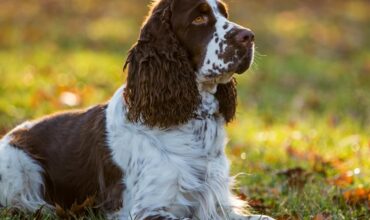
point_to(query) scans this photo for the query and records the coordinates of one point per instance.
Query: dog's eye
(200, 20)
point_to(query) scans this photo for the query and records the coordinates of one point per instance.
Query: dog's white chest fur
(180, 167)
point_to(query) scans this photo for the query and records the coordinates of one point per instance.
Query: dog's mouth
(246, 60)
(238, 59)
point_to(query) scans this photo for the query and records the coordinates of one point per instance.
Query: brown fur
(227, 98)
(71, 148)
(161, 87)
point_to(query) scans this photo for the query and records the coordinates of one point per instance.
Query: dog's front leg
(165, 218)
(234, 216)
(151, 191)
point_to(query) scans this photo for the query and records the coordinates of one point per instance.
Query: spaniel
(156, 149)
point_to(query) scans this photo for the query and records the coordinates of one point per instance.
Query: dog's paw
(258, 217)
(251, 217)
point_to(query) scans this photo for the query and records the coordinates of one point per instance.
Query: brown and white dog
(156, 149)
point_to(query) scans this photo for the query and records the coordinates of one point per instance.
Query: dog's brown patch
(71, 148)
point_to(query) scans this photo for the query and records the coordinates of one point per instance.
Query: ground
(300, 145)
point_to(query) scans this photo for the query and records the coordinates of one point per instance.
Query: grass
(301, 141)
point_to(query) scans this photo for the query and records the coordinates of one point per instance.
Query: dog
(155, 151)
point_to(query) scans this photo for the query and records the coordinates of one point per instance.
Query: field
(300, 145)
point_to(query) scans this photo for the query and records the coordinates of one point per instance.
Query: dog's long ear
(227, 98)
(161, 84)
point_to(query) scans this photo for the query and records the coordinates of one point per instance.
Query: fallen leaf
(78, 209)
(342, 180)
(287, 217)
(275, 191)
(297, 171)
(322, 216)
(297, 177)
(301, 155)
(258, 205)
(357, 196)
(60, 211)
(338, 164)
(242, 196)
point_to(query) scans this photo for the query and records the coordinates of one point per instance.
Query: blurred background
(301, 141)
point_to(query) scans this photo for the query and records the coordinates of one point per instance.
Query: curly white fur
(180, 171)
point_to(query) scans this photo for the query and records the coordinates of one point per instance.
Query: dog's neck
(207, 87)
(209, 104)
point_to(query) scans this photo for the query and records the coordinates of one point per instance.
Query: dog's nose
(245, 36)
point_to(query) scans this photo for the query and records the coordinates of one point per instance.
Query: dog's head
(182, 44)
(218, 47)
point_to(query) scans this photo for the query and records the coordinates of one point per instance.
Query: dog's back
(47, 154)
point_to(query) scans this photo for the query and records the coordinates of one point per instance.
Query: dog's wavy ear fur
(161, 84)
(227, 98)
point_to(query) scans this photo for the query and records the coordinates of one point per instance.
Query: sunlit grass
(260, 150)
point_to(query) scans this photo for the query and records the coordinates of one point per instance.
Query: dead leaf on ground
(287, 217)
(258, 205)
(242, 196)
(76, 209)
(322, 216)
(297, 171)
(61, 213)
(357, 196)
(275, 191)
(297, 177)
(338, 164)
(308, 155)
(342, 180)
(80, 208)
